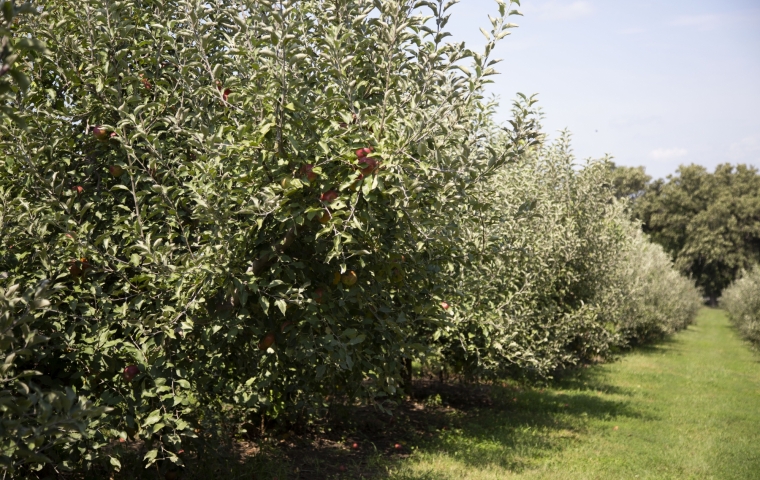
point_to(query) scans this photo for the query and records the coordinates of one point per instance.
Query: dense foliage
(742, 300)
(708, 222)
(247, 210)
(649, 298)
(629, 182)
(14, 48)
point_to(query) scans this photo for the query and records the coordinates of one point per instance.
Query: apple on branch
(363, 152)
(349, 279)
(100, 133)
(329, 196)
(370, 165)
(267, 341)
(319, 295)
(225, 93)
(308, 171)
(325, 217)
(130, 372)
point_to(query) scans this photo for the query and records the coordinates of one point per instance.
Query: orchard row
(234, 213)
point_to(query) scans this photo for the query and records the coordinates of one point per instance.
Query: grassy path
(687, 408)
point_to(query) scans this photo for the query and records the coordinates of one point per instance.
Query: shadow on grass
(665, 346)
(507, 425)
(523, 425)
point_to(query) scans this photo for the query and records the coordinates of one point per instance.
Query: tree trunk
(407, 376)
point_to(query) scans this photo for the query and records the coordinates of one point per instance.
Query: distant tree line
(708, 222)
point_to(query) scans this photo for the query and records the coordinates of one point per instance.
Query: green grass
(686, 408)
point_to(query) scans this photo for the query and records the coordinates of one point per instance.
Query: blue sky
(652, 83)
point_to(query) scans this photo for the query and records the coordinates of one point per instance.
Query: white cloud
(667, 153)
(559, 10)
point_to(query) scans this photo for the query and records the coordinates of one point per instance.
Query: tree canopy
(708, 222)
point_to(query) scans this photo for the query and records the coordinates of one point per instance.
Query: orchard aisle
(687, 408)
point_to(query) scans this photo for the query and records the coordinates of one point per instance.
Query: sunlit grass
(687, 408)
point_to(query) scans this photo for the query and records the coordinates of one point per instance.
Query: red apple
(267, 341)
(445, 305)
(319, 295)
(355, 446)
(100, 133)
(397, 446)
(329, 196)
(79, 189)
(307, 170)
(371, 165)
(226, 91)
(74, 270)
(145, 82)
(325, 217)
(130, 372)
(342, 468)
(349, 278)
(115, 170)
(368, 150)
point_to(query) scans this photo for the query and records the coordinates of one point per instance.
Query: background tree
(709, 223)
(629, 182)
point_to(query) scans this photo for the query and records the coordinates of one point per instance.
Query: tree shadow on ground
(665, 346)
(521, 425)
(505, 425)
